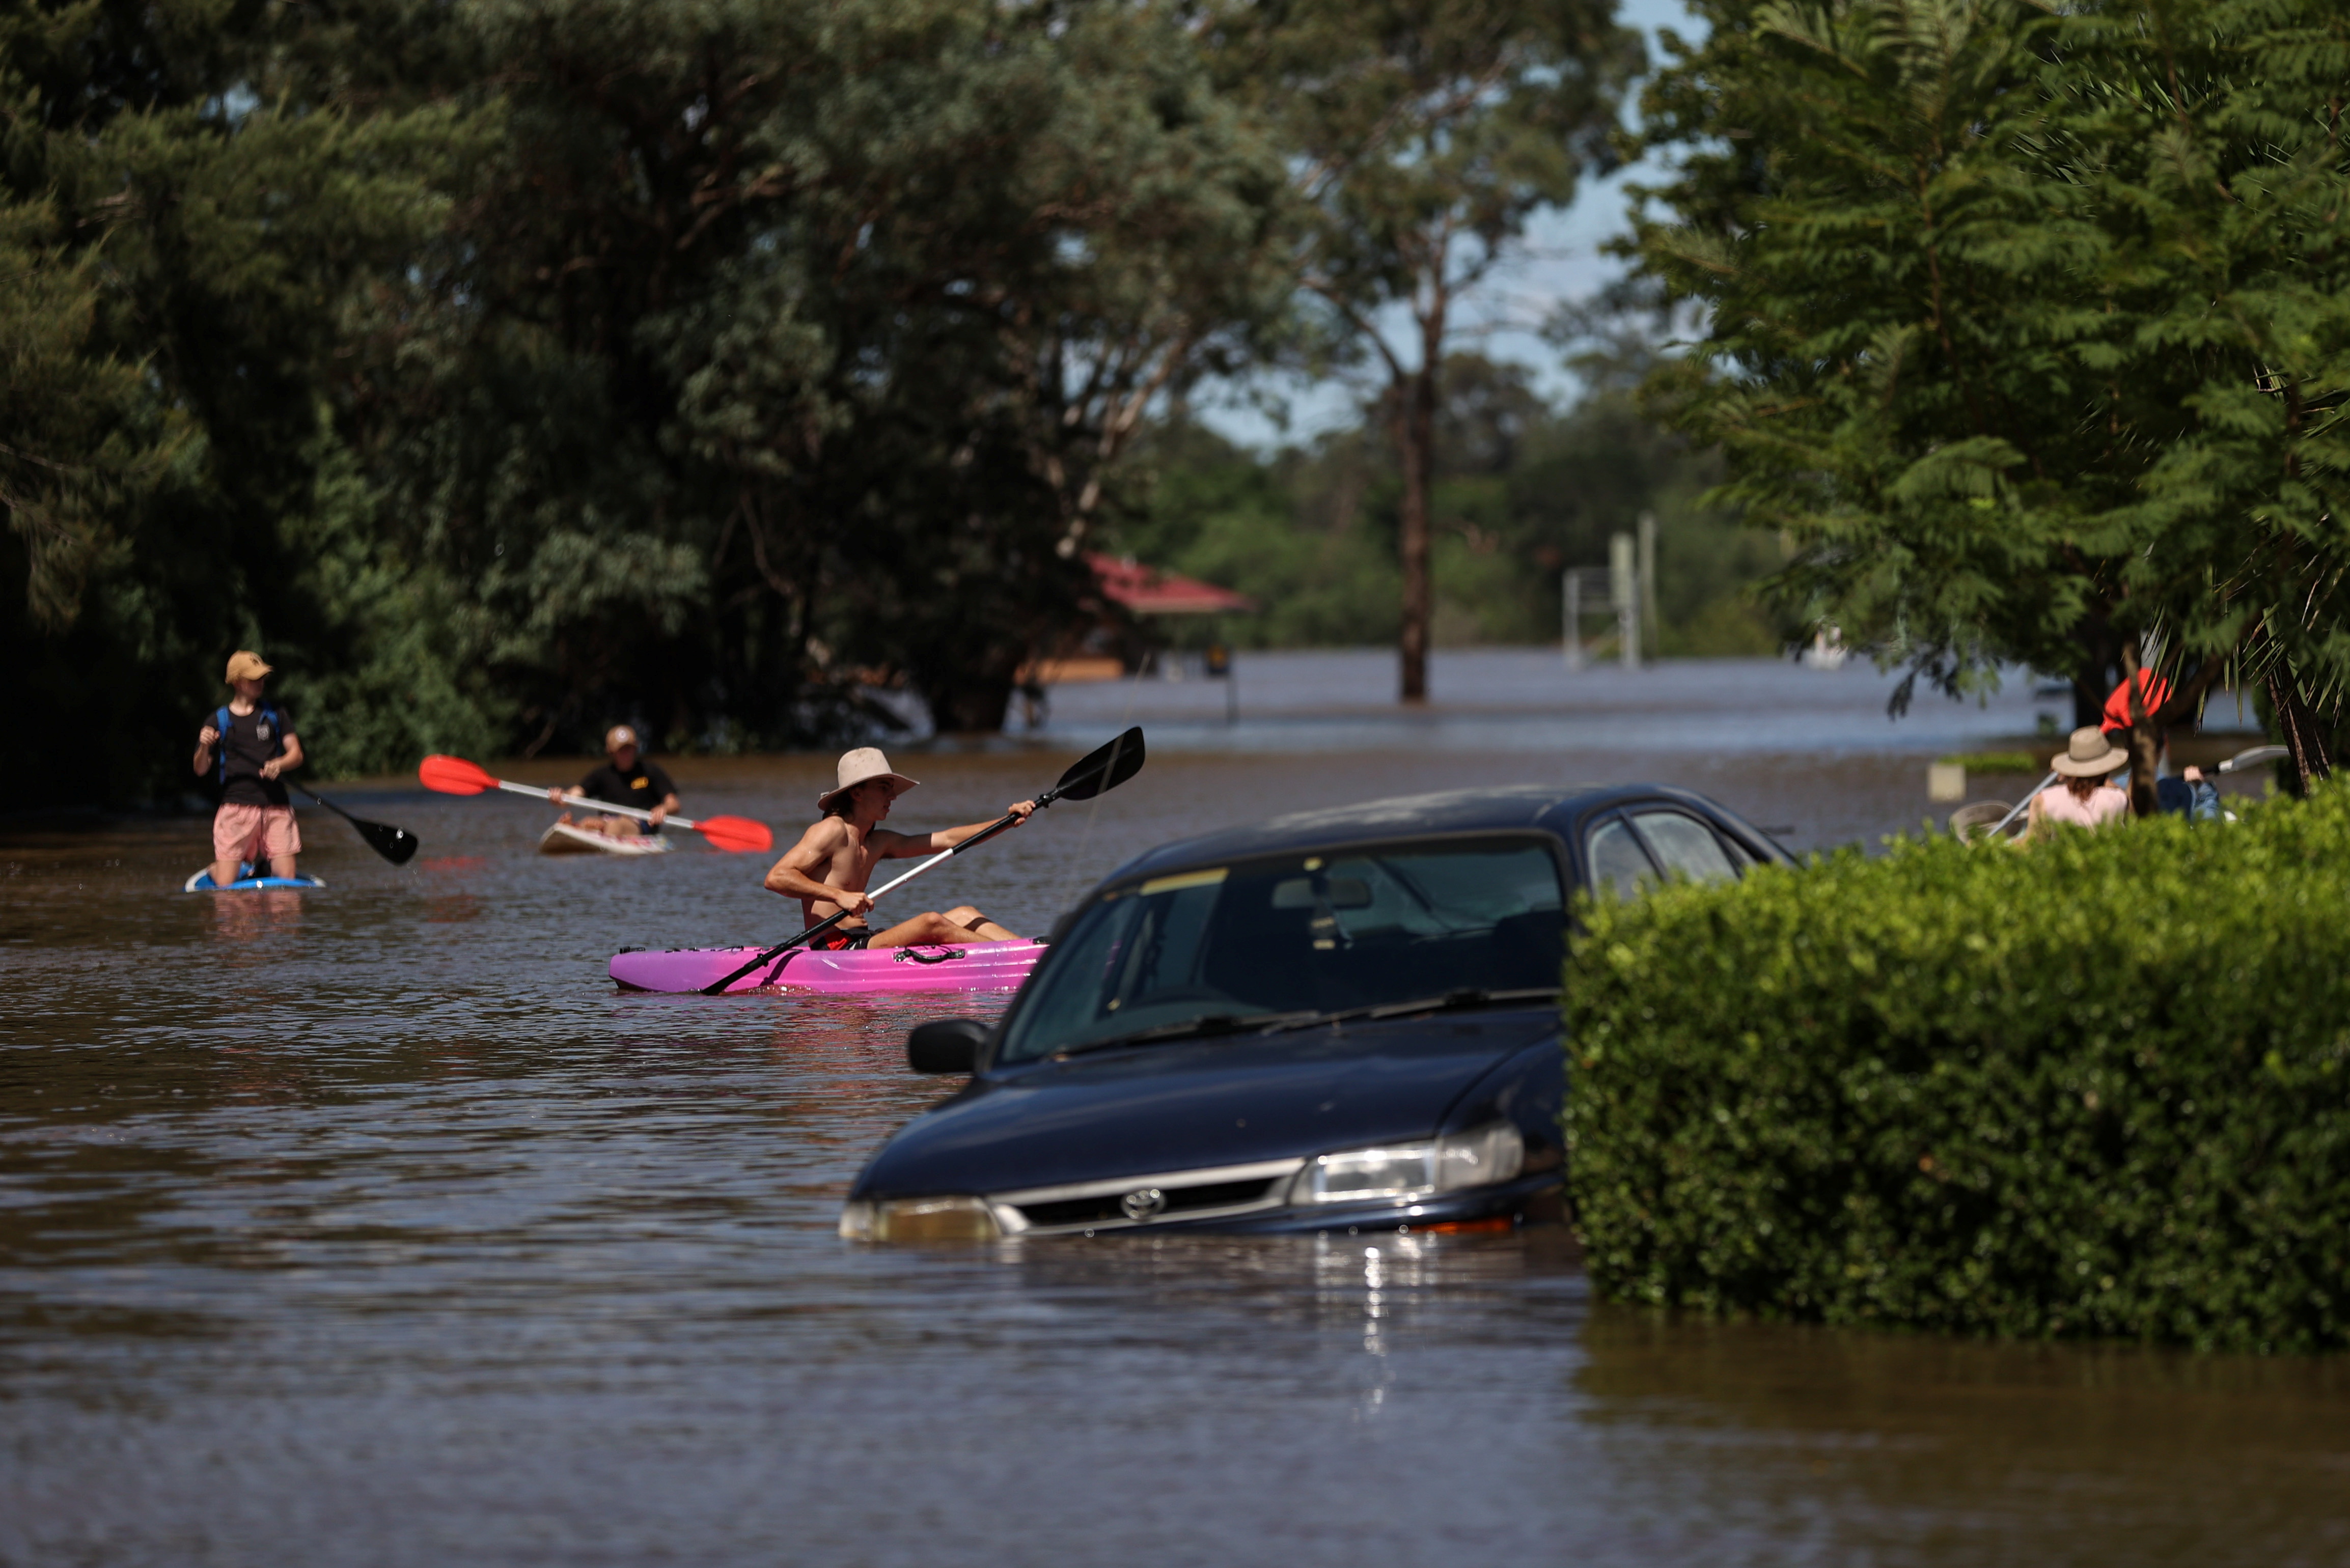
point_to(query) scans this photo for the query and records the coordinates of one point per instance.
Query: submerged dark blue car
(1338, 1019)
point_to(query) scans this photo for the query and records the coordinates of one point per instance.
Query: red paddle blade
(453, 776)
(736, 832)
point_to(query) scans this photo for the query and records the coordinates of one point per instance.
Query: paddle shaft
(2001, 826)
(640, 813)
(329, 804)
(396, 845)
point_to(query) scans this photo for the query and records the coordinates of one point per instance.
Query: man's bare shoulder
(825, 835)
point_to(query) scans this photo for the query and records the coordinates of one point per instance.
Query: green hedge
(2093, 1087)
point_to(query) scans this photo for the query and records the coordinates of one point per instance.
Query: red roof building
(1146, 590)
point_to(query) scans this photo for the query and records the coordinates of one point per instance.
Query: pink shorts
(239, 830)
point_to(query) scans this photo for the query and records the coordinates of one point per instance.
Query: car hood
(1185, 1105)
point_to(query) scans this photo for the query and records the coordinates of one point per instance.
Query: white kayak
(563, 838)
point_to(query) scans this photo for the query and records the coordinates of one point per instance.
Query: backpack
(221, 717)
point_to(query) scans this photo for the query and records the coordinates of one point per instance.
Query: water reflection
(1897, 1449)
(371, 1225)
(245, 922)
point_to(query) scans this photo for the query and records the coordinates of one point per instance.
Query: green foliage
(502, 370)
(1423, 135)
(2097, 1087)
(181, 235)
(1992, 761)
(2030, 326)
(1522, 490)
(1220, 513)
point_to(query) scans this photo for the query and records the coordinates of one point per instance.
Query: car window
(1617, 861)
(1685, 845)
(1340, 929)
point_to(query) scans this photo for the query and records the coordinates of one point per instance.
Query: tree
(2028, 329)
(848, 315)
(1522, 490)
(1423, 135)
(181, 240)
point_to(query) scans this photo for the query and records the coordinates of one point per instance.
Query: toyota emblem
(1143, 1203)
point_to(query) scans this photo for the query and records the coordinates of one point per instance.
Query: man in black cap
(627, 778)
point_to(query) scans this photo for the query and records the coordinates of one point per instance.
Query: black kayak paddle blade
(396, 845)
(1105, 769)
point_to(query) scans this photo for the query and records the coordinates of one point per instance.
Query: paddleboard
(202, 882)
(973, 966)
(562, 838)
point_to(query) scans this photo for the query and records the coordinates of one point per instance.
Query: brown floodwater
(369, 1226)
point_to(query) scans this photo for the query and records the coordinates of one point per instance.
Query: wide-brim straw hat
(2088, 754)
(860, 767)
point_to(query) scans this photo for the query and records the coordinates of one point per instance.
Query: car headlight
(1479, 1157)
(918, 1219)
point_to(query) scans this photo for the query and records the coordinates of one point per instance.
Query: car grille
(1179, 1195)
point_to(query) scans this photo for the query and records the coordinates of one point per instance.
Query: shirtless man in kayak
(828, 867)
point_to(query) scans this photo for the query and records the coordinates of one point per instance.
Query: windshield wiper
(1468, 996)
(1214, 1023)
(1206, 1024)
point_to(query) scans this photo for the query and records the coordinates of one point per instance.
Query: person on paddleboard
(246, 745)
(627, 778)
(827, 870)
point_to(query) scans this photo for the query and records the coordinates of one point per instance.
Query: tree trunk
(1416, 436)
(2145, 746)
(2088, 700)
(2297, 728)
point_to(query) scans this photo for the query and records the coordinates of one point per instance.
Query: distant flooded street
(369, 1226)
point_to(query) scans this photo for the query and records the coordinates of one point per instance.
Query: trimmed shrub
(2093, 1087)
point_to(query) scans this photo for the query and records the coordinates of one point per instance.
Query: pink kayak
(973, 966)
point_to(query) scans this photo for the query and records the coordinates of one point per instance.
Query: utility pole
(1570, 610)
(1651, 628)
(1624, 588)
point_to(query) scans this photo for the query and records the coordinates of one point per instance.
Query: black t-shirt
(643, 786)
(250, 740)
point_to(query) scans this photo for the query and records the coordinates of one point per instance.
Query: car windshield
(1325, 932)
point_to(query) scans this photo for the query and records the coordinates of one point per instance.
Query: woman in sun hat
(2085, 799)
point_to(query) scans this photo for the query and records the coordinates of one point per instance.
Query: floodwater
(369, 1226)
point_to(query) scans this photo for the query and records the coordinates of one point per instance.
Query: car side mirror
(945, 1045)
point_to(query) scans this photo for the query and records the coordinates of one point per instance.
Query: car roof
(1549, 808)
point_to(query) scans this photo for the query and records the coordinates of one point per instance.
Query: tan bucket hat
(857, 766)
(245, 665)
(2088, 754)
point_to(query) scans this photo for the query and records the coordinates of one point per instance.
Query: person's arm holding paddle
(904, 846)
(286, 761)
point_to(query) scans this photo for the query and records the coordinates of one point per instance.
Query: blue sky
(1560, 260)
